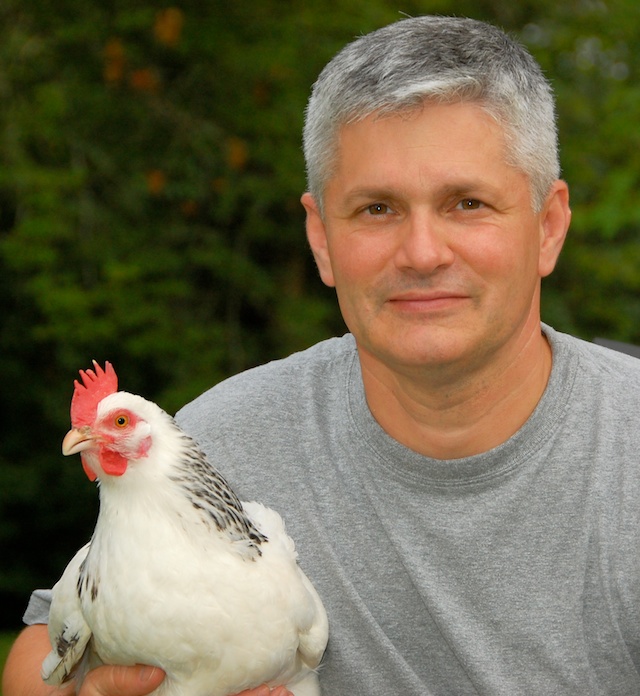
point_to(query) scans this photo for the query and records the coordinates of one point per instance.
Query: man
(461, 481)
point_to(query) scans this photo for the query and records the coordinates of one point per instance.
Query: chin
(421, 352)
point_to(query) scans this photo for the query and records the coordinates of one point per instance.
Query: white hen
(179, 573)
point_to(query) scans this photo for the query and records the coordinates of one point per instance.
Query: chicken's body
(181, 575)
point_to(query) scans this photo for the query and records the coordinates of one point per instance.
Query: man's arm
(21, 675)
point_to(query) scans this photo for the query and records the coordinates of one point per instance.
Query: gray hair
(443, 59)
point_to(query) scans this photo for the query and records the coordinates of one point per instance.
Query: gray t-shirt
(512, 572)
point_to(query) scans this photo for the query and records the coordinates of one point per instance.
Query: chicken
(179, 573)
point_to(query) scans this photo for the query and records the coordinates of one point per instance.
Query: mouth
(427, 301)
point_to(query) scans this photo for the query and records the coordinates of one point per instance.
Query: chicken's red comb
(97, 384)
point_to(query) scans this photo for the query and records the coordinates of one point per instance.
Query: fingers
(141, 680)
(264, 690)
(121, 681)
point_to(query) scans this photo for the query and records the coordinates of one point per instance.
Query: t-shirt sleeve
(38, 608)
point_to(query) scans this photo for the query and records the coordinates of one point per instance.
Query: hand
(21, 674)
(142, 679)
(115, 680)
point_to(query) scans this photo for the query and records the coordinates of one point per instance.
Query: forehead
(435, 144)
(454, 128)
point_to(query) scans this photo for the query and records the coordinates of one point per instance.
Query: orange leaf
(144, 80)
(156, 181)
(168, 25)
(114, 60)
(237, 153)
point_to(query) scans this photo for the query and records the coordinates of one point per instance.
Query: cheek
(356, 281)
(502, 255)
(135, 447)
(145, 446)
(357, 263)
(130, 445)
(509, 275)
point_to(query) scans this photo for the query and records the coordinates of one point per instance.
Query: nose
(423, 245)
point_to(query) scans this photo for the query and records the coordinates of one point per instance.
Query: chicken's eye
(121, 421)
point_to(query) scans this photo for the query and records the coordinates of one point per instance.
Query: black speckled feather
(211, 495)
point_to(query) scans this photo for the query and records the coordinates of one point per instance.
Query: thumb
(118, 680)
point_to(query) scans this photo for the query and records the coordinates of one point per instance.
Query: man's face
(430, 240)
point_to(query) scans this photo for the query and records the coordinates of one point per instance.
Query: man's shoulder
(611, 359)
(598, 372)
(280, 382)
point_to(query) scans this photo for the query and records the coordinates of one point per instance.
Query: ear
(317, 236)
(554, 223)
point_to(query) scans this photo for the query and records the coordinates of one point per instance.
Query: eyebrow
(370, 194)
(471, 188)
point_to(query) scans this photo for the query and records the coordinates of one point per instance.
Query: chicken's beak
(77, 440)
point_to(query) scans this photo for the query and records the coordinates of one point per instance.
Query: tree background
(150, 174)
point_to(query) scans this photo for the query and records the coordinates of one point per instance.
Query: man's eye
(470, 204)
(378, 209)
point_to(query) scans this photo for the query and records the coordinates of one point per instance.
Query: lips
(431, 300)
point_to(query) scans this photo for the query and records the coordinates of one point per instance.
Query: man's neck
(454, 419)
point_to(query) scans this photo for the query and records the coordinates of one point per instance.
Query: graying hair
(443, 59)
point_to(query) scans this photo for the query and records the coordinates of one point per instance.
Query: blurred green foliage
(150, 171)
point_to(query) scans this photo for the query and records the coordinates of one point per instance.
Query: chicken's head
(106, 429)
